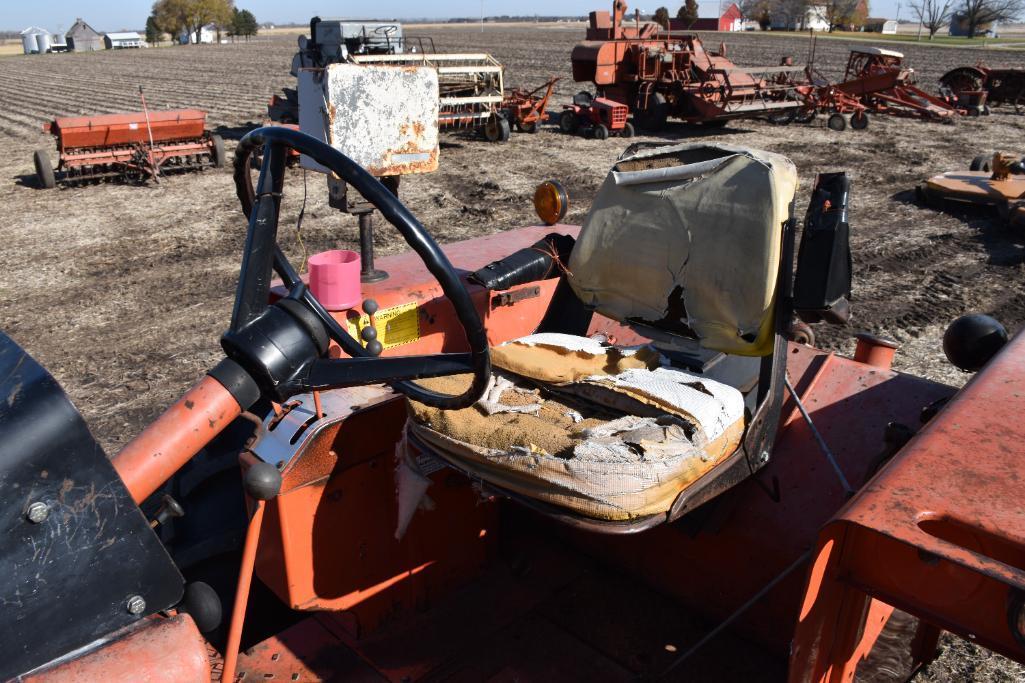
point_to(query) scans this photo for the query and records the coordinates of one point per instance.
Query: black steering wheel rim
(414, 234)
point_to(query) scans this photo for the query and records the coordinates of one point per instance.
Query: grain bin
(43, 43)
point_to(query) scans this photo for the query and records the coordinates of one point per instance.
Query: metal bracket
(510, 298)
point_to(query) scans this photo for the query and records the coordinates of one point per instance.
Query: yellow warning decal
(395, 326)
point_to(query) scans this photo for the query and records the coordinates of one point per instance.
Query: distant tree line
(932, 15)
(177, 16)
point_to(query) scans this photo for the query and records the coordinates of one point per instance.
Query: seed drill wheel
(837, 122)
(981, 163)
(601, 132)
(44, 171)
(568, 122)
(528, 127)
(859, 120)
(217, 151)
(805, 116)
(783, 118)
(496, 128)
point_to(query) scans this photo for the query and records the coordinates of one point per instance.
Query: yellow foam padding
(532, 454)
(557, 364)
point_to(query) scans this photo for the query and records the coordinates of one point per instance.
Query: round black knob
(972, 340)
(368, 333)
(374, 347)
(370, 306)
(262, 481)
(202, 603)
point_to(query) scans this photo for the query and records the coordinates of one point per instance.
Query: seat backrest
(687, 239)
(583, 99)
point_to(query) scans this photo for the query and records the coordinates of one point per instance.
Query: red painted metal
(528, 109)
(939, 532)
(875, 350)
(157, 650)
(113, 130)
(658, 73)
(178, 434)
(885, 86)
(245, 580)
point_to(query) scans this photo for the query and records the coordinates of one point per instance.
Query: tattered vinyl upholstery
(688, 239)
(685, 239)
(609, 433)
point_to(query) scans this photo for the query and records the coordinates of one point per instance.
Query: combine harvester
(659, 74)
(131, 147)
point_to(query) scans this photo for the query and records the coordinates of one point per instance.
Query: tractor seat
(583, 99)
(683, 244)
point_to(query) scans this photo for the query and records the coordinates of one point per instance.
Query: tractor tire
(981, 163)
(568, 122)
(601, 132)
(217, 152)
(528, 127)
(963, 79)
(497, 129)
(859, 120)
(655, 115)
(44, 171)
(837, 122)
(806, 116)
(628, 130)
(783, 118)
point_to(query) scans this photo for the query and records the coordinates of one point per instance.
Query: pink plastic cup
(334, 278)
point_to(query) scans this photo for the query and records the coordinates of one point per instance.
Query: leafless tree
(932, 14)
(978, 13)
(792, 12)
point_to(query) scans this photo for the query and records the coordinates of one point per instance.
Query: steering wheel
(258, 334)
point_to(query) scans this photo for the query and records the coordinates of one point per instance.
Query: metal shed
(120, 41)
(82, 38)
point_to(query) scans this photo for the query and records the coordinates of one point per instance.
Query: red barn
(730, 20)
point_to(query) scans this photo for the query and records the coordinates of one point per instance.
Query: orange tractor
(553, 453)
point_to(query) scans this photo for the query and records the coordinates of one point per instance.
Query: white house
(814, 20)
(122, 40)
(207, 34)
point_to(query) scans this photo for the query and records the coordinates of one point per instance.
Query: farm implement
(556, 452)
(527, 109)
(973, 88)
(131, 147)
(996, 182)
(880, 81)
(659, 74)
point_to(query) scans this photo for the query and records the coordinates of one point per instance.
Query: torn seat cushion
(688, 239)
(610, 433)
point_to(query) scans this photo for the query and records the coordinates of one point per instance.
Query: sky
(131, 14)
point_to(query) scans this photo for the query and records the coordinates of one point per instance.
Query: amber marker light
(551, 202)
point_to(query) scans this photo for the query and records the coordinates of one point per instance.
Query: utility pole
(482, 16)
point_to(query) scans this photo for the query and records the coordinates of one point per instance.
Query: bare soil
(122, 291)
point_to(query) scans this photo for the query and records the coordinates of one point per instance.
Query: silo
(43, 43)
(28, 43)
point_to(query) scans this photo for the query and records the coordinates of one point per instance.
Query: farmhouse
(82, 38)
(814, 19)
(207, 34)
(731, 19)
(120, 41)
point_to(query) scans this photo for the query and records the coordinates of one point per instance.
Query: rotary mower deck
(133, 147)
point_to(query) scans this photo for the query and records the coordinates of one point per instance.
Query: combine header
(659, 74)
(132, 147)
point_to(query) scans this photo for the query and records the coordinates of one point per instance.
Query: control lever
(169, 509)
